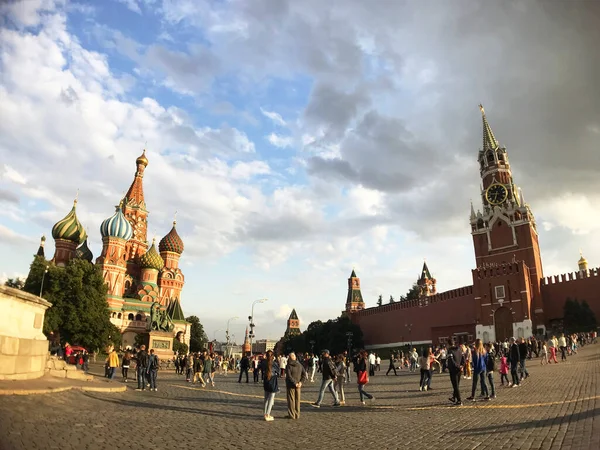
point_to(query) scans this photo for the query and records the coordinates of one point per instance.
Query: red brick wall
(556, 289)
(386, 324)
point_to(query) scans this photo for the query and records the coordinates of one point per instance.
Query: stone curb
(61, 389)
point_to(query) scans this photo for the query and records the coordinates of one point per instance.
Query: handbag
(363, 378)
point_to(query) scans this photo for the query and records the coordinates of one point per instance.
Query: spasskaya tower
(507, 253)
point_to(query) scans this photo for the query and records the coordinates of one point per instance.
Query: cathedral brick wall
(575, 285)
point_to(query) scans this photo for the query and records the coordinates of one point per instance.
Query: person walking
(523, 351)
(113, 363)
(270, 384)
(142, 366)
(244, 367)
(207, 369)
(514, 358)
(479, 364)
(504, 370)
(392, 365)
(295, 376)
(490, 368)
(329, 377)
(562, 344)
(340, 368)
(455, 361)
(361, 367)
(125, 363)
(552, 344)
(153, 365)
(544, 353)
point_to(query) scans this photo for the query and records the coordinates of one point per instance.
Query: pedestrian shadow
(183, 409)
(541, 423)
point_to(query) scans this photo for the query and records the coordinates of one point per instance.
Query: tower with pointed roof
(426, 283)
(504, 234)
(293, 325)
(354, 300)
(582, 263)
(134, 209)
(40, 251)
(246, 347)
(171, 278)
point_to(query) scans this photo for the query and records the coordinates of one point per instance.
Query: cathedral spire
(489, 140)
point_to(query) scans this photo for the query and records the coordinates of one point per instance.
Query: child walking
(504, 370)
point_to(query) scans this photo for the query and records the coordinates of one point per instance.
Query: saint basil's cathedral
(137, 275)
(510, 296)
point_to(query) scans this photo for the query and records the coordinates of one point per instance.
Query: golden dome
(142, 159)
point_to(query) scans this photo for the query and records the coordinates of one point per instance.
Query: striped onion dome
(69, 228)
(151, 259)
(117, 226)
(171, 242)
(84, 252)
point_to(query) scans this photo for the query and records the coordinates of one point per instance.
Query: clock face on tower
(496, 194)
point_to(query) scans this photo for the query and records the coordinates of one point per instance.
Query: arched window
(138, 317)
(119, 316)
(113, 315)
(490, 157)
(130, 316)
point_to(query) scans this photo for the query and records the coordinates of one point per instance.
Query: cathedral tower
(171, 278)
(354, 301)
(134, 209)
(506, 244)
(68, 233)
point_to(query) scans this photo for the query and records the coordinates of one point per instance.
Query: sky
(298, 140)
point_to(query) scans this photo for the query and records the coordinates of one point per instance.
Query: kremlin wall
(510, 296)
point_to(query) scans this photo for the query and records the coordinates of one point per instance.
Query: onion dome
(117, 226)
(151, 259)
(142, 159)
(84, 252)
(69, 228)
(171, 242)
(582, 263)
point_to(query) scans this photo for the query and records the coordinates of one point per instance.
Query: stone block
(25, 347)
(59, 364)
(37, 363)
(50, 364)
(77, 375)
(70, 368)
(23, 364)
(9, 345)
(39, 347)
(57, 373)
(7, 364)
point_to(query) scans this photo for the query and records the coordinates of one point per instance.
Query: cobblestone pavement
(558, 407)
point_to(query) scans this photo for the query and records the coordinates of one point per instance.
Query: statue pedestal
(162, 344)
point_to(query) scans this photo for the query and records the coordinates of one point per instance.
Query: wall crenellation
(499, 270)
(571, 276)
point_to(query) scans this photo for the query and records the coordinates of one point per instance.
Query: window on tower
(490, 157)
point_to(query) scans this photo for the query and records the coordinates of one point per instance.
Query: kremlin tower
(137, 275)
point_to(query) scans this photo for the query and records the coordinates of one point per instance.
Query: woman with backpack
(340, 369)
(361, 367)
(270, 384)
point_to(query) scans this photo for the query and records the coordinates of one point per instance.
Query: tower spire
(489, 140)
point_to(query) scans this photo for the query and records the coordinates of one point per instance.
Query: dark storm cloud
(396, 87)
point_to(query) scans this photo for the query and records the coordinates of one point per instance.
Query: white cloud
(280, 141)
(275, 117)
(10, 174)
(131, 5)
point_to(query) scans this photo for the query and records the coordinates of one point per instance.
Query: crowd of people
(478, 362)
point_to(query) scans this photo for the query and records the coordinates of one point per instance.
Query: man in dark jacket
(295, 375)
(523, 351)
(329, 376)
(455, 362)
(514, 357)
(142, 367)
(244, 366)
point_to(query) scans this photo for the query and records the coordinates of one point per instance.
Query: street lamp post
(409, 326)
(43, 276)
(312, 347)
(251, 319)
(227, 335)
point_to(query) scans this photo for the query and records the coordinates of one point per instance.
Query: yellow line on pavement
(485, 405)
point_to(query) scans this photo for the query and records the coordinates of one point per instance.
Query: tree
(413, 293)
(79, 312)
(578, 317)
(392, 299)
(380, 300)
(329, 335)
(140, 339)
(198, 338)
(180, 347)
(16, 283)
